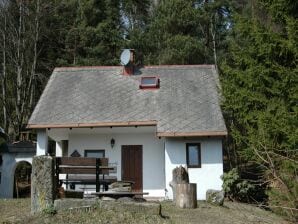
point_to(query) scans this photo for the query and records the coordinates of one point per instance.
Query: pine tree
(172, 35)
(260, 96)
(93, 35)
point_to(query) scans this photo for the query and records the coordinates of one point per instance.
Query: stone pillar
(42, 183)
(42, 142)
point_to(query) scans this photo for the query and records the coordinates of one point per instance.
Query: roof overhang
(97, 124)
(193, 134)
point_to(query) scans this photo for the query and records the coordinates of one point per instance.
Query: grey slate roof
(187, 100)
(22, 147)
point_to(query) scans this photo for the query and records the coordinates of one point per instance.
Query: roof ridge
(84, 67)
(181, 66)
(59, 69)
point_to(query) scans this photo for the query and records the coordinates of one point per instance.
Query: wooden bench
(83, 171)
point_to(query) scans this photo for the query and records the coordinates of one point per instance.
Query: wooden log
(121, 189)
(186, 195)
(179, 176)
(120, 184)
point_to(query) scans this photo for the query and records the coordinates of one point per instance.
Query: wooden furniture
(119, 194)
(83, 171)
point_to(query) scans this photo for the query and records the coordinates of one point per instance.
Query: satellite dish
(125, 57)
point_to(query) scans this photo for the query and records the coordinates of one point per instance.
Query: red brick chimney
(127, 60)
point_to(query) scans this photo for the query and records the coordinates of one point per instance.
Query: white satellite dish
(125, 57)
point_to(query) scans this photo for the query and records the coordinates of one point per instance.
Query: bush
(235, 188)
(49, 210)
(283, 193)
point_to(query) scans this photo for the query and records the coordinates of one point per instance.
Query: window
(94, 153)
(193, 155)
(149, 82)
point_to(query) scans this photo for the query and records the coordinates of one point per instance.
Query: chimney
(127, 60)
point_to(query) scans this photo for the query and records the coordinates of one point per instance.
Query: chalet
(146, 121)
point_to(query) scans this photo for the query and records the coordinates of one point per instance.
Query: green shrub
(235, 188)
(283, 193)
(49, 210)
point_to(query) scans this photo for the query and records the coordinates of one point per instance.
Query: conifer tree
(259, 79)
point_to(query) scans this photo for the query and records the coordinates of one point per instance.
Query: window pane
(193, 156)
(148, 81)
(94, 154)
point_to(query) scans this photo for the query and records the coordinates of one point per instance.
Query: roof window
(149, 82)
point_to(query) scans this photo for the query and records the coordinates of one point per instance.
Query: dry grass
(12, 211)
(18, 211)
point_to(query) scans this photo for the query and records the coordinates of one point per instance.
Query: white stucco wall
(10, 161)
(153, 155)
(58, 148)
(42, 142)
(206, 177)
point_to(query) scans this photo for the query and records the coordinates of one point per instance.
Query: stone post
(42, 183)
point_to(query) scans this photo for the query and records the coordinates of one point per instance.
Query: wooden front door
(132, 165)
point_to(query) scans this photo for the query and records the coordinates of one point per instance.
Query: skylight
(149, 82)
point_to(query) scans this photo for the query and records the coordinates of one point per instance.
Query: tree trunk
(180, 175)
(186, 195)
(213, 34)
(20, 60)
(5, 123)
(213, 22)
(33, 70)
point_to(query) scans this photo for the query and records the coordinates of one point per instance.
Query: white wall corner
(42, 142)
(58, 148)
(206, 177)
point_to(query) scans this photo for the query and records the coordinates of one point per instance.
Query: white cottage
(146, 121)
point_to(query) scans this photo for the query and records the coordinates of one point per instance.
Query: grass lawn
(18, 211)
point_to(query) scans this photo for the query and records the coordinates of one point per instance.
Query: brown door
(132, 165)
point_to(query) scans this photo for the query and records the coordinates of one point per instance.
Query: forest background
(253, 44)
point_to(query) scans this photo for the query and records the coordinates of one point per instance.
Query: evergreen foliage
(175, 35)
(92, 35)
(259, 79)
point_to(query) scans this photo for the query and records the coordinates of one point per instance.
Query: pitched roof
(22, 147)
(186, 104)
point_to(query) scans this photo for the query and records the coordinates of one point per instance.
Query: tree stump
(180, 176)
(186, 195)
